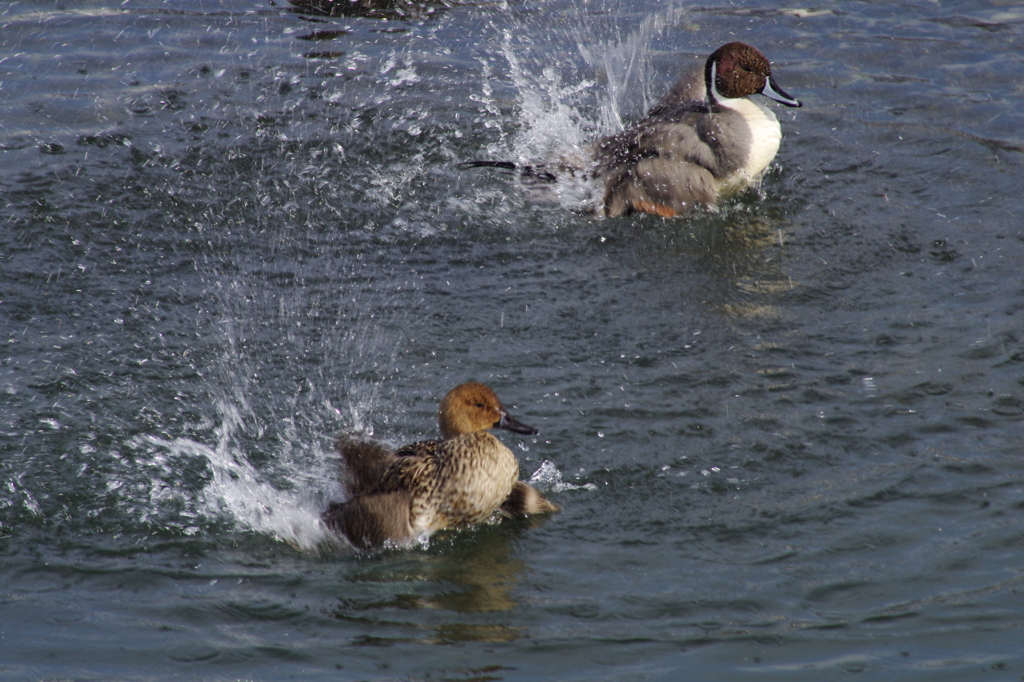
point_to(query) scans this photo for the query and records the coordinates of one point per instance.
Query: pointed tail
(526, 173)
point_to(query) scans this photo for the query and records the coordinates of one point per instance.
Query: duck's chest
(763, 145)
(475, 474)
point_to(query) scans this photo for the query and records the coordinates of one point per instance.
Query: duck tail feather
(529, 173)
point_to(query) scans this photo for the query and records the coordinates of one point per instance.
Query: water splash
(241, 495)
(551, 123)
(547, 478)
(625, 60)
(295, 366)
(561, 109)
(616, 77)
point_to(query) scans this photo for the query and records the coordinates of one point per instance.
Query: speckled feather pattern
(454, 483)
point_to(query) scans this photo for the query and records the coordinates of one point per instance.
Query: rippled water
(787, 437)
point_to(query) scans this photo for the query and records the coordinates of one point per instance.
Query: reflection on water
(735, 259)
(793, 427)
(469, 573)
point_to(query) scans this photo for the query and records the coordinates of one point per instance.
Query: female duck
(426, 486)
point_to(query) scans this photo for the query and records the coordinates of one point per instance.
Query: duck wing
(369, 521)
(671, 160)
(380, 484)
(413, 467)
(525, 500)
(366, 461)
(423, 448)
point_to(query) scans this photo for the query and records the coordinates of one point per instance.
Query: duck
(704, 141)
(397, 497)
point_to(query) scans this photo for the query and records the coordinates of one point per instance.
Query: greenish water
(787, 437)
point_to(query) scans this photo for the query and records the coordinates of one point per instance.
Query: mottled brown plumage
(429, 485)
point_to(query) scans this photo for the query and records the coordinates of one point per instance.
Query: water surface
(786, 436)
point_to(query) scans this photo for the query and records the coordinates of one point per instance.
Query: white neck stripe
(713, 93)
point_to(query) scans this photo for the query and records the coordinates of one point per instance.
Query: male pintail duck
(703, 141)
(429, 485)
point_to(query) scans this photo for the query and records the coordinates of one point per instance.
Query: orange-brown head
(737, 70)
(474, 407)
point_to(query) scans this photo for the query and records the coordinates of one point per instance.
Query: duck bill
(509, 424)
(773, 91)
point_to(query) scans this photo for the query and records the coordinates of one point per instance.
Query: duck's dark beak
(772, 90)
(509, 424)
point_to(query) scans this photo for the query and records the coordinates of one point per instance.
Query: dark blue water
(787, 437)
